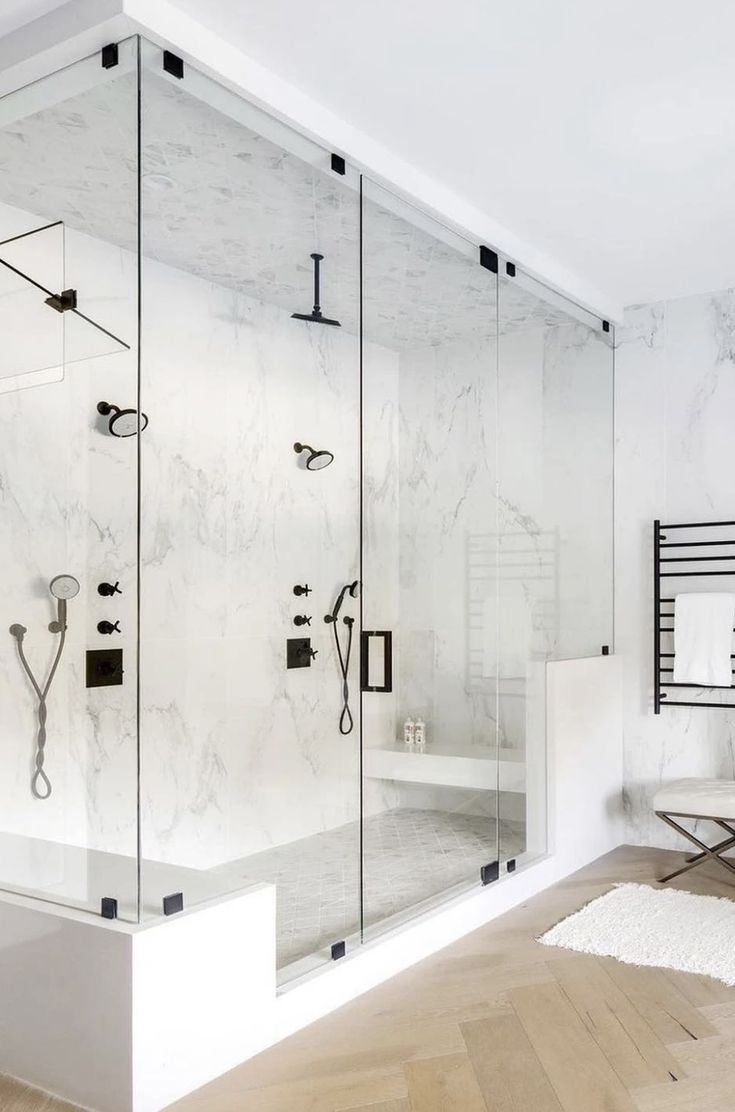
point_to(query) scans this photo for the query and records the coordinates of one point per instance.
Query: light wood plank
(443, 1085)
(341, 1092)
(486, 1020)
(628, 1042)
(509, 1074)
(691, 1095)
(664, 1007)
(384, 1106)
(581, 1075)
(700, 991)
(16, 1096)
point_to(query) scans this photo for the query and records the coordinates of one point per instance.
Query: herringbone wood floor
(498, 1023)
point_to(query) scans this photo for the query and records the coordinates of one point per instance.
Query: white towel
(703, 625)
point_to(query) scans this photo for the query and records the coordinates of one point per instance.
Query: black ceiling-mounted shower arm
(316, 316)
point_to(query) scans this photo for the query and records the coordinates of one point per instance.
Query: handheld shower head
(62, 587)
(349, 588)
(18, 631)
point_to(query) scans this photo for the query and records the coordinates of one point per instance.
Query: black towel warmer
(664, 619)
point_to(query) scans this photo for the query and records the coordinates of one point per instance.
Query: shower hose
(40, 783)
(346, 721)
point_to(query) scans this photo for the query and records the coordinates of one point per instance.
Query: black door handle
(365, 641)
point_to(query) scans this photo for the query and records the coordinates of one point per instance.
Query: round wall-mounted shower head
(316, 460)
(123, 422)
(64, 587)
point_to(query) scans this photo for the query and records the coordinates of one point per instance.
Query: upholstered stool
(713, 800)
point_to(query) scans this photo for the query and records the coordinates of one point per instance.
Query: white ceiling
(600, 131)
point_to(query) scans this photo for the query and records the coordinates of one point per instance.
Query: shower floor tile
(409, 856)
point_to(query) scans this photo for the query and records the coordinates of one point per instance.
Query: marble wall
(68, 501)
(506, 502)
(488, 461)
(238, 753)
(675, 397)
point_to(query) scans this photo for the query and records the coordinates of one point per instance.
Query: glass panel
(31, 266)
(555, 526)
(67, 488)
(246, 777)
(429, 556)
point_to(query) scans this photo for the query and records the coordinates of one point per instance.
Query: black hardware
(110, 55)
(338, 164)
(104, 667)
(317, 459)
(605, 650)
(510, 270)
(387, 636)
(108, 589)
(299, 653)
(63, 301)
(489, 259)
(302, 620)
(173, 64)
(511, 865)
(108, 908)
(339, 949)
(299, 590)
(350, 589)
(316, 316)
(664, 619)
(489, 873)
(173, 903)
(606, 326)
(108, 627)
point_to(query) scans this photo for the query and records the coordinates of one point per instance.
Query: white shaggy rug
(654, 926)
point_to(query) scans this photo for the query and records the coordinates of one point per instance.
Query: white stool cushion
(705, 798)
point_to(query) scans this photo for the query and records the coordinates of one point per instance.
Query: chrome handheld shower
(63, 588)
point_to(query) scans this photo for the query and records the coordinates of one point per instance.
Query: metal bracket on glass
(63, 301)
(366, 638)
(489, 873)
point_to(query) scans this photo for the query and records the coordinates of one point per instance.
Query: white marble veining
(528, 508)
(478, 431)
(675, 396)
(242, 213)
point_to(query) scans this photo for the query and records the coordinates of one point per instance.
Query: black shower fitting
(346, 721)
(352, 589)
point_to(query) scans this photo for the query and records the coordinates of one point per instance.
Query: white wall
(675, 399)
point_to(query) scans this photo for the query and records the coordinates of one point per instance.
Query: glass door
(249, 522)
(429, 559)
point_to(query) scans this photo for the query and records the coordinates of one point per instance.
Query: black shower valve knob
(302, 620)
(108, 627)
(108, 589)
(299, 590)
(306, 651)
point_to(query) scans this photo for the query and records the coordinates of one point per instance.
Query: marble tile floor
(410, 855)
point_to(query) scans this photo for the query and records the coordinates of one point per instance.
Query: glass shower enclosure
(334, 484)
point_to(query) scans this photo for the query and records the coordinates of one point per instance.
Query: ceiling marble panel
(229, 206)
